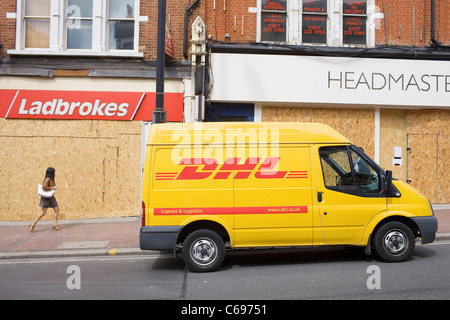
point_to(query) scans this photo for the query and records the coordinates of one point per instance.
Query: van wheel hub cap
(203, 251)
(395, 242)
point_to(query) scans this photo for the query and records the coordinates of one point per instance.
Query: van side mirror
(388, 182)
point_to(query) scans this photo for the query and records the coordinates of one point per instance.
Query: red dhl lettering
(203, 168)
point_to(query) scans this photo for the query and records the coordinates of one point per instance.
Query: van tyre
(394, 242)
(203, 251)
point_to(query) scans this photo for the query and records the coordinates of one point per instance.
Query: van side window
(366, 176)
(343, 167)
(336, 166)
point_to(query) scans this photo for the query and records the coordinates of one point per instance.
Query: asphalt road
(340, 273)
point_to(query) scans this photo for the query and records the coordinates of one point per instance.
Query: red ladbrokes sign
(88, 105)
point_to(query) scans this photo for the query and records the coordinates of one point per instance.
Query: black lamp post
(159, 114)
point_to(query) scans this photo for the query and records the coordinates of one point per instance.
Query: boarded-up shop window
(355, 21)
(37, 23)
(314, 21)
(273, 20)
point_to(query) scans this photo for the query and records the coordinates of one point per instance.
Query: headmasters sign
(330, 80)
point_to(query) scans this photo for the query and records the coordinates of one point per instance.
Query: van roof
(249, 132)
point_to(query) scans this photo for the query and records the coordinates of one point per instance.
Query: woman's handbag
(45, 194)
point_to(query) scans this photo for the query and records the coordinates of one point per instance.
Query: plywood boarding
(393, 134)
(422, 164)
(430, 143)
(93, 160)
(443, 188)
(429, 125)
(355, 124)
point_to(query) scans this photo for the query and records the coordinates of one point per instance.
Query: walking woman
(45, 203)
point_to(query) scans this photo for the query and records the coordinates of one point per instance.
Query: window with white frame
(273, 20)
(354, 21)
(121, 25)
(36, 24)
(78, 27)
(79, 17)
(318, 22)
(314, 21)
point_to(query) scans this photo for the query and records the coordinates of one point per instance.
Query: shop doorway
(422, 164)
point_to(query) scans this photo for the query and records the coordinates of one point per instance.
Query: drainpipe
(433, 41)
(186, 13)
(433, 22)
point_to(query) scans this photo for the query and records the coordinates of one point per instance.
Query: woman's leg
(55, 224)
(38, 217)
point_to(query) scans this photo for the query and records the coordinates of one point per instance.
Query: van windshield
(343, 166)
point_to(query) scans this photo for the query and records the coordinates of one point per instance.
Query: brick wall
(235, 20)
(7, 26)
(409, 22)
(232, 19)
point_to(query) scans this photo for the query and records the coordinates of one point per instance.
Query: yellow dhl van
(212, 186)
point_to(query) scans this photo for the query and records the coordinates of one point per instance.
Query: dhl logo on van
(203, 168)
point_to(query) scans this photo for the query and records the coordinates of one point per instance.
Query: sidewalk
(109, 236)
(96, 237)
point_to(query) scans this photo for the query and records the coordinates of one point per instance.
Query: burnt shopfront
(394, 107)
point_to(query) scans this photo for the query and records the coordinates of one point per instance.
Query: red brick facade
(406, 19)
(232, 18)
(7, 26)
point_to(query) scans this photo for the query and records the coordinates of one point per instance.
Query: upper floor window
(273, 20)
(78, 27)
(79, 24)
(36, 21)
(317, 22)
(314, 21)
(121, 25)
(355, 21)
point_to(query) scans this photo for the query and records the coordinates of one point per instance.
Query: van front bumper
(428, 227)
(161, 238)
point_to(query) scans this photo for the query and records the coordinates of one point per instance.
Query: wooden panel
(422, 163)
(355, 124)
(433, 122)
(97, 168)
(443, 156)
(392, 134)
(423, 121)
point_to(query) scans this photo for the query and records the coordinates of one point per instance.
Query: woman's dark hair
(50, 173)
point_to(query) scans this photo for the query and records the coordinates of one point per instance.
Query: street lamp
(159, 114)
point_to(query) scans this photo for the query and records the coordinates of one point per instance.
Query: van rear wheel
(203, 251)
(394, 242)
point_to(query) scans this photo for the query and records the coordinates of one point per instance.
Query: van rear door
(350, 192)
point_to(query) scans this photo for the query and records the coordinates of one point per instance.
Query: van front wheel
(394, 242)
(203, 251)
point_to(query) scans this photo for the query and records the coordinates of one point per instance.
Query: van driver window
(366, 177)
(341, 170)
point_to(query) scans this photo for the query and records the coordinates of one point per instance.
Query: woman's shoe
(56, 227)
(31, 227)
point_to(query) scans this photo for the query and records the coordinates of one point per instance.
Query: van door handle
(319, 196)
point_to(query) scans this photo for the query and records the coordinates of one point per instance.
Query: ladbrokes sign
(89, 105)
